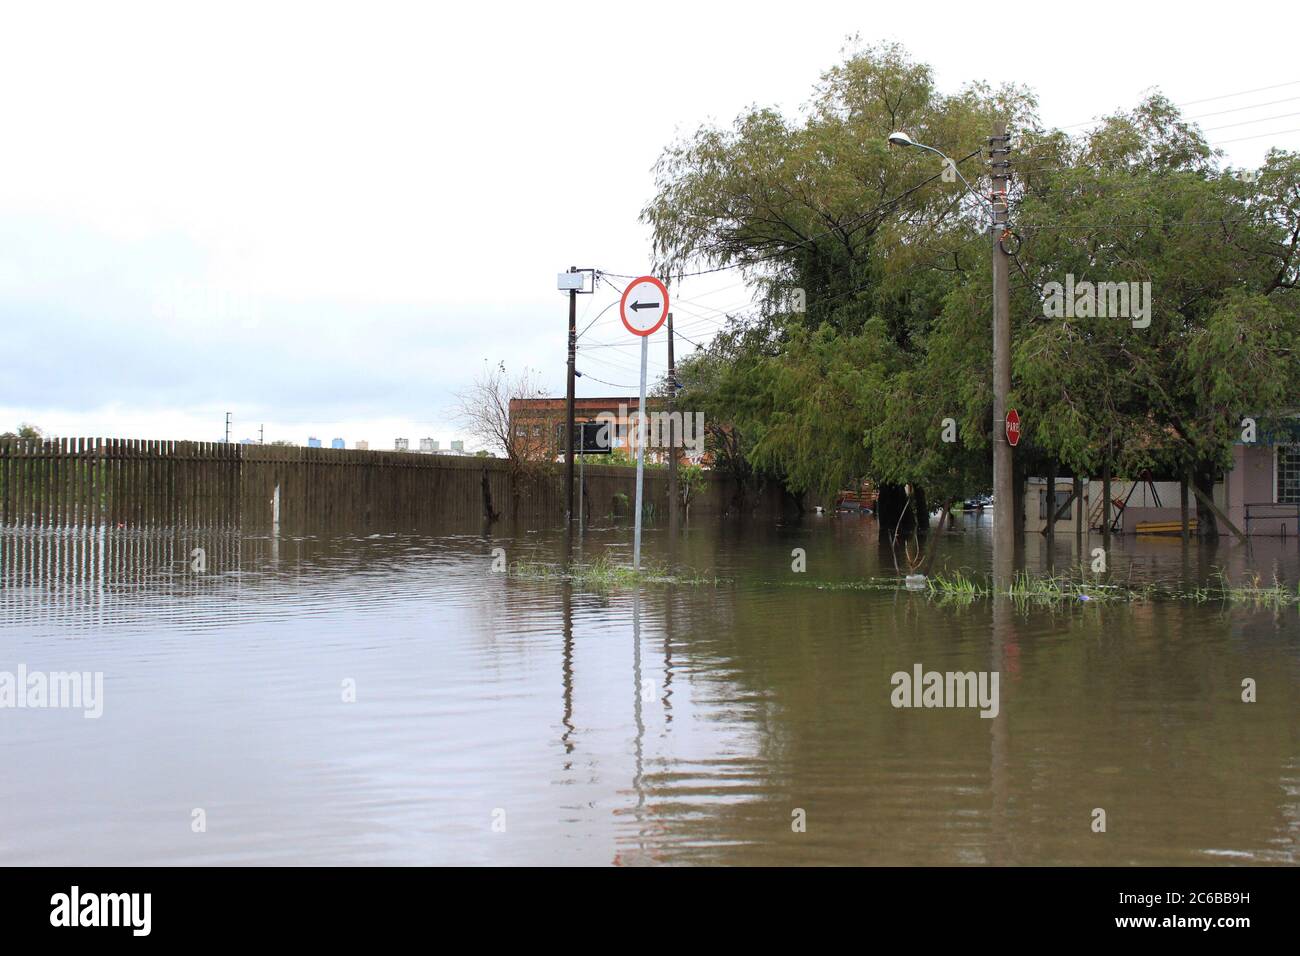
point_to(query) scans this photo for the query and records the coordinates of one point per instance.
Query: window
(537, 431)
(521, 431)
(1288, 474)
(1061, 498)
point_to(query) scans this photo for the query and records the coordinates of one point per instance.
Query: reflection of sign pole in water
(643, 309)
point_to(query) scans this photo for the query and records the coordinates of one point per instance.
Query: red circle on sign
(1013, 428)
(622, 305)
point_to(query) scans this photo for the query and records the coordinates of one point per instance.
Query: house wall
(1142, 503)
(1252, 494)
(1246, 495)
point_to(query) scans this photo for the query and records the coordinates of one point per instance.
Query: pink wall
(1251, 483)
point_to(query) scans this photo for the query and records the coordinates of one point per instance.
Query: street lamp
(1005, 500)
(899, 138)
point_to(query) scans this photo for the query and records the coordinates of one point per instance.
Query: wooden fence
(127, 483)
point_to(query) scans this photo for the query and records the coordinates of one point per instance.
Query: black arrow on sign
(637, 306)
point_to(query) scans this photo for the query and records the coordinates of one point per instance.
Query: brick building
(538, 423)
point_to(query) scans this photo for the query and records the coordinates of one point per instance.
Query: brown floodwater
(501, 719)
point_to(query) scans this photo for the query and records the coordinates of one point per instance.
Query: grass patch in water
(605, 573)
(962, 587)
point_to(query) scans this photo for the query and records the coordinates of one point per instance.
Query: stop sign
(1013, 428)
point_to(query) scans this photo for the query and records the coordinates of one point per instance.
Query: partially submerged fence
(93, 482)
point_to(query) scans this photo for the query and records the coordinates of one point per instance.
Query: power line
(691, 340)
(1225, 96)
(610, 384)
(656, 381)
(1280, 132)
(1238, 109)
(1208, 99)
(1263, 119)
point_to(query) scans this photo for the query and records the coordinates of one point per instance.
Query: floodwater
(498, 719)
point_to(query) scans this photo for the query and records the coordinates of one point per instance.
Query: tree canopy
(888, 252)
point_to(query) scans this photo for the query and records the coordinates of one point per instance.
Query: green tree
(890, 254)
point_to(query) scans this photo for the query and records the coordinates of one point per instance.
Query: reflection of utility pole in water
(669, 630)
(566, 670)
(1003, 649)
(1004, 657)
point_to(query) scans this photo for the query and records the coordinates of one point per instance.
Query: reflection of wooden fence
(83, 482)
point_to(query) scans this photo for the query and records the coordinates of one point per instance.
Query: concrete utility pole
(1004, 509)
(227, 428)
(568, 402)
(672, 433)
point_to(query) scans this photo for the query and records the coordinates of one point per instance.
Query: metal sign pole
(633, 309)
(582, 485)
(640, 459)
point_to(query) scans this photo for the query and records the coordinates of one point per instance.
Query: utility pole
(261, 434)
(568, 403)
(1003, 511)
(573, 283)
(672, 433)
(227, 428)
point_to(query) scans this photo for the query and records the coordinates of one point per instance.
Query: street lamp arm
(904, 140)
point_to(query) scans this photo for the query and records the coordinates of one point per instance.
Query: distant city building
(401, 444)
(458, 447)
(247, 441)
(313, 442)
(336, 443)
(429, 446)
(362, 446)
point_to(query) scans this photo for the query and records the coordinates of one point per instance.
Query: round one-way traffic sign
(644, 306)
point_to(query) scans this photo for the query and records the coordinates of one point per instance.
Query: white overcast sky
(326, 217)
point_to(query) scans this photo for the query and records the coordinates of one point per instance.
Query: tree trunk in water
(1206, 524)
(1183, 508)
(1051, 516)
(1080, 512)
(1105, 504)
(895, 511)
(488, 513)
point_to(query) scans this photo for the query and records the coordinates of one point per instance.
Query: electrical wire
(649, 383)
(1208, 99)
